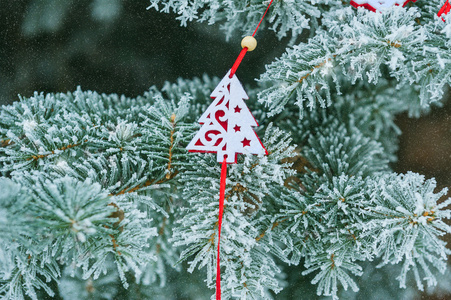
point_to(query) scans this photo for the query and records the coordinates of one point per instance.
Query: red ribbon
(445, 9)
(221, 211)
(243, 52)
(224, 171)
(238, 61)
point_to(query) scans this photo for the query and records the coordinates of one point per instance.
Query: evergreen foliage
(100, 199)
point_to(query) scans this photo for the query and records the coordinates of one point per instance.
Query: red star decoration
(237, 128)
(246, 142)
(237, 109)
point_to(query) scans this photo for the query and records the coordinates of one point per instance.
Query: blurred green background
(111, 46)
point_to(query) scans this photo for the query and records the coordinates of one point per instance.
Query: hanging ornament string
(444, 10)
(248, 43)
(221, 210)
(227, 129)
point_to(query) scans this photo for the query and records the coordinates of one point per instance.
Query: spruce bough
(100, 198)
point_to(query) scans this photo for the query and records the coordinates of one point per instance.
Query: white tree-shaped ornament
(227, 124)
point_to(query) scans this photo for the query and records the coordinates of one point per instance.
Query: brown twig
(161, 232)
(411, 221)
(145, 184)
(333, 261)
(274, 225)
(39, 156)
(115, 245)
(394, 44)
(314, 68)
(4, 143)
(168, 175)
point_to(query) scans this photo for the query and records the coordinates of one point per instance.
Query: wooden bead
(249, 42)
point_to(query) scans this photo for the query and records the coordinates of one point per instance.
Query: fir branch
(245, 201)
(360, 45)
(287, 16)
(409, 222)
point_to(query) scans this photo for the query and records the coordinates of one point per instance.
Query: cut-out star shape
(237, 128)
(246, 142)
(237, 109)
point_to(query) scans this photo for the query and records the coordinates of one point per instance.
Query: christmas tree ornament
(375, 5)
(444, 10)
(227, 130)
(227, 124)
